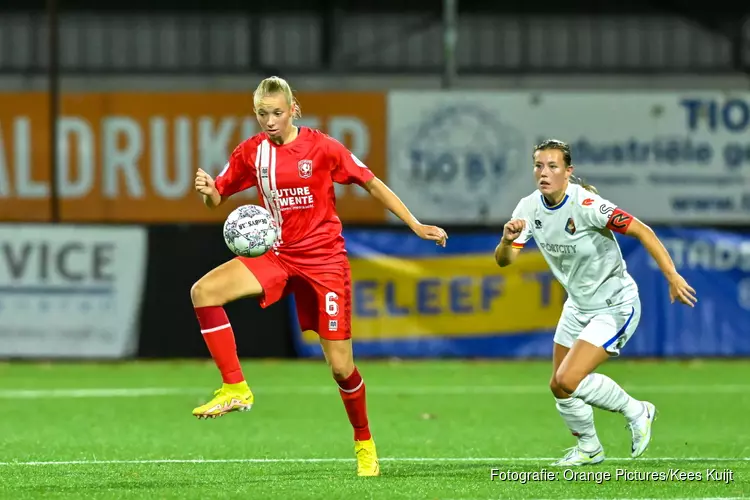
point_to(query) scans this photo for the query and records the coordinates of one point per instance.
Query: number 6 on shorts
(332, 306)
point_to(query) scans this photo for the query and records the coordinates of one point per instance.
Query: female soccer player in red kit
(294, 169)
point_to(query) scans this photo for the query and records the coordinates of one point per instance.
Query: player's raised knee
(567, 380)
(557, 391)
(203, 294)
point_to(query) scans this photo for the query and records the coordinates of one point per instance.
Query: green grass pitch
(124, 430)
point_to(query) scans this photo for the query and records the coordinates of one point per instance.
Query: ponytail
(579, 181)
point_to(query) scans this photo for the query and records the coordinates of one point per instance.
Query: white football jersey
(578, 247)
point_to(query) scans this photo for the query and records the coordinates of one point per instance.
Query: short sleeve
(237, 174)
(520, 213)
(597, 212)
(348, 169)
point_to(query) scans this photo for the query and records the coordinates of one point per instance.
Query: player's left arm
(350, 170)
(604, 214)
(678, 288)
(381, 192)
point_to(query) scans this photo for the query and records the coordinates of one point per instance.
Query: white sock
(603, 392)
(579, 417)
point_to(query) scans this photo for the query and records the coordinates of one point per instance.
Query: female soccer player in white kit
(573, 227)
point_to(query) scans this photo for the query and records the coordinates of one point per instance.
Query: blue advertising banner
(414, 299)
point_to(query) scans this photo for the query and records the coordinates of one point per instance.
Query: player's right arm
(507, 251)
(515, 235)
(206, 186)
(236, 176)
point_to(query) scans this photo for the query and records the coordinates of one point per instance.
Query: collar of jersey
(555, 207)
(562, 202)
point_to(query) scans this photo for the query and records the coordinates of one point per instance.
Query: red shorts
(322, 291)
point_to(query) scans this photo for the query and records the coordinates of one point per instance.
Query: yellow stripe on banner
(451, 297)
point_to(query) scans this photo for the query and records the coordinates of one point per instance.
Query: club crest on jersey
(537, 223)
(570, 226)
(304, 167)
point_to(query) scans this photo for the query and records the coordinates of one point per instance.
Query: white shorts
(610, 328)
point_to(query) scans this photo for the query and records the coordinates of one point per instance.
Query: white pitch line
(125, 392)
(384, 459)
(97, 392)
(618, 498)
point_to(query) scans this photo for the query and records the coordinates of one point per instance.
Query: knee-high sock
(352, 390)
(579, 417)
(219, 337)
(602, 392)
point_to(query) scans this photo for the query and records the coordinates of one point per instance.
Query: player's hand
(204, 184)
(513, 229)
(680, 290)
(432, 233)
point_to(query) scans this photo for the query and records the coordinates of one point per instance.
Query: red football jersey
(295, 184)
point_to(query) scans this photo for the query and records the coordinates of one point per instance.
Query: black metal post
(54, 107)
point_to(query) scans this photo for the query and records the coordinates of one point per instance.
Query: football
(250, 231)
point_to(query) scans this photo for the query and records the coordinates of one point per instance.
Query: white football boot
(641, 429)
(577, 456)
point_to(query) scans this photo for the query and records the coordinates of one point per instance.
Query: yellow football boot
(231, 397)
(367, 458)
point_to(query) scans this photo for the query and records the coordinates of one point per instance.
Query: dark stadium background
(99, 60)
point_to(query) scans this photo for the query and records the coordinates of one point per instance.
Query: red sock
(219, 337)
(352, 390)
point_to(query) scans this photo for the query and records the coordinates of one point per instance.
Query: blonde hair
(276, 85)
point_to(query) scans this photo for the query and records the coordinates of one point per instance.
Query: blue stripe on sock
(622, 330)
